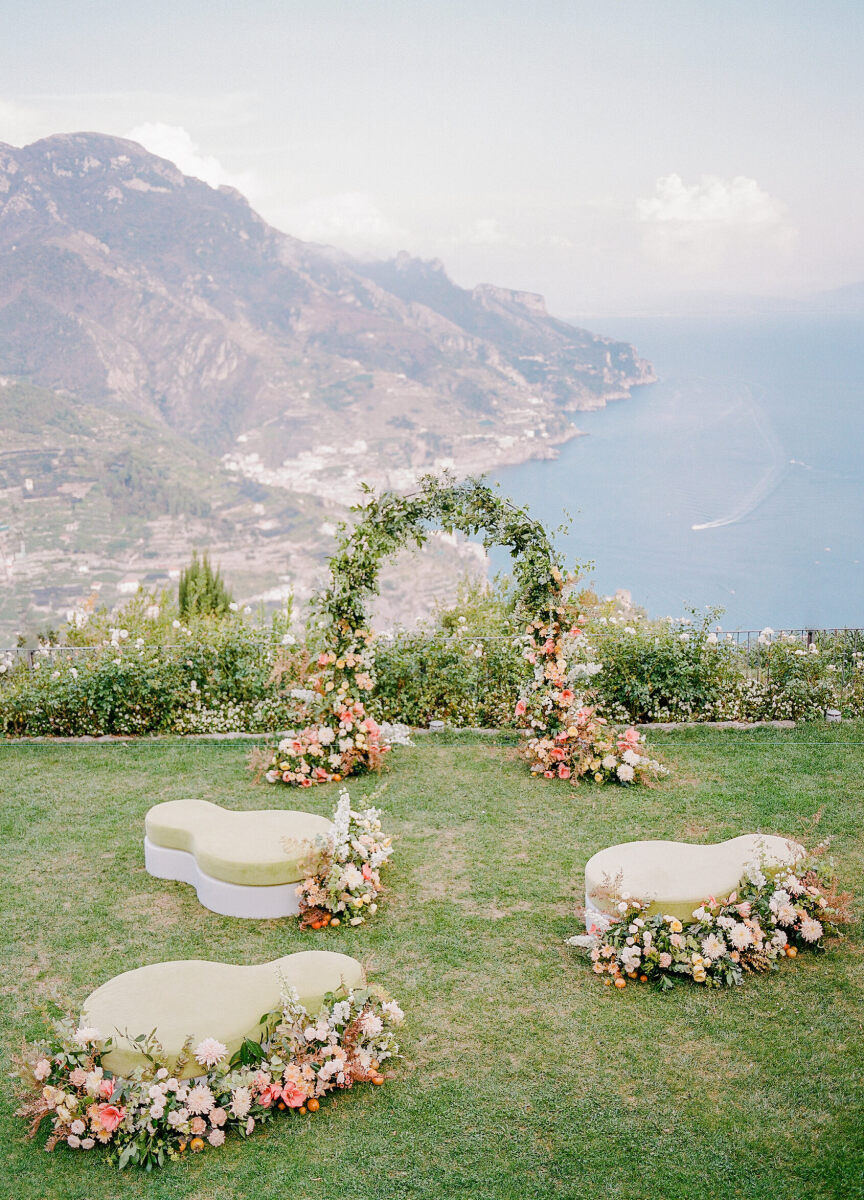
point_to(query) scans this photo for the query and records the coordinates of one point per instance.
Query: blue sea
(736, 480)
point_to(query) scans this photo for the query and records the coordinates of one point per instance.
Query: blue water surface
(736, 480)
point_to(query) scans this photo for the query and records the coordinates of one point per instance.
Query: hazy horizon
(607, 158)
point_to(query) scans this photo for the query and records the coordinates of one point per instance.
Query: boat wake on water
(768, 481)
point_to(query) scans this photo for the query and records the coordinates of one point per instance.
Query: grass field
(522, 1075)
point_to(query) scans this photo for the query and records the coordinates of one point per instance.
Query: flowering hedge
(154, 1116)
(771, 915)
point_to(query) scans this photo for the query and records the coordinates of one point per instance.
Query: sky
(608, 154)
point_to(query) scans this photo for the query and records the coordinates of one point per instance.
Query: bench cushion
(270, 846)
(199, 999)
(677, 876)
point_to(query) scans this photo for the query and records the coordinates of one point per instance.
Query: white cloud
(349, 220)
(19, 124)
(713, 225)
(738, 201)
(177, 145)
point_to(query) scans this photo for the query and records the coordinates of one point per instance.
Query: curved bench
(676, 876)
(241, 864)
(197, 999)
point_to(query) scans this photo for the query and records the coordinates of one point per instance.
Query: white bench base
(228, 899)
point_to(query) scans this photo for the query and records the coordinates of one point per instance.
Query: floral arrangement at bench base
(774, 913)
(346, 880)
(154, 1113)
(271, 862)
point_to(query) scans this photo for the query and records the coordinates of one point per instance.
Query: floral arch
(341, 738)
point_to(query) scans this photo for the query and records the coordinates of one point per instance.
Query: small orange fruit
(377, 1080)
(281, 1105)
(643, 978)
(337, 778)
(791, 951)
(312, 1104)
(620, 982)
(181, 1146)
(607, 982)
(302, 1110)
(196, 1144)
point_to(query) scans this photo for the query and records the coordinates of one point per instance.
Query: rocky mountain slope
(191, 367)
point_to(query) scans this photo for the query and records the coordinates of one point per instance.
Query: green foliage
(202, 591)
(661, 670)
(389, 521)
(145, 670)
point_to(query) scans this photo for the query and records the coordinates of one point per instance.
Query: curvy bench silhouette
(242, 864)
(676, 876)
(196, 999)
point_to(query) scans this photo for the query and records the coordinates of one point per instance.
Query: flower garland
(569, 740)
(771, 915)
(153, 1116)
(346, 882)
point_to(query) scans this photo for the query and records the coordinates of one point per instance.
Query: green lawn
(523, 1076)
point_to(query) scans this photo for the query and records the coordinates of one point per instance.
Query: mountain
(170, 360)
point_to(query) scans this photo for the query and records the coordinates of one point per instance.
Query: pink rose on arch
(521, 707)
(557, 754)
(567, 696)
(106, 1089)
(367, 872)
(372, 726)
(548, 774)
(563, 771)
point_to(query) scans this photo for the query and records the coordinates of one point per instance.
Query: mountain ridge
(277, 369)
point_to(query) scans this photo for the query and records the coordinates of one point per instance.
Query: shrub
(202, 591)
(660, 670)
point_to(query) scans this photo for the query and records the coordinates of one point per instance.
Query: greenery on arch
(390, 521)
(342, 738)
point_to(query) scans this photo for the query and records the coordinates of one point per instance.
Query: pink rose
(567, 696)
(548, 774)
(744, 909)
(198, 1125)
(106, 1089)
(665, 960)
(292, 1096)
(268, 1094)
(367, 872)
(521, 706)
(110, 1116)
(563, 771)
